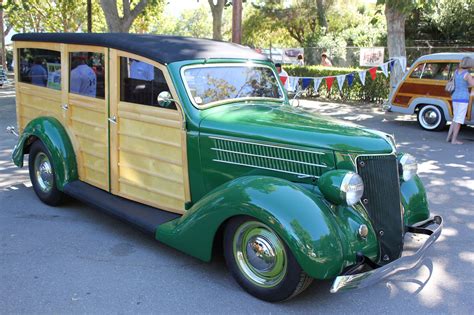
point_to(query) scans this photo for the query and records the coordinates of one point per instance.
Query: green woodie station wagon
(195, 142)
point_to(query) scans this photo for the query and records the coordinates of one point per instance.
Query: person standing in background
(283, 75)
(462, 81)
(299, 60)
(325, 62)
(38, 74)
(83, 78)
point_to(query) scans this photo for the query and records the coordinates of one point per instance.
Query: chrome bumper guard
(365, 279)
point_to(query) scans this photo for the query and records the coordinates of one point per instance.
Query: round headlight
(341, 187)
(353, 188)
(409, 166)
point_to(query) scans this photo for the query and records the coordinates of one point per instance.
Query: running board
(141, 216)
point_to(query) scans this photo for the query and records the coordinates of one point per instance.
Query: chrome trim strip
(362, 280)
(265, 168)
(266, 145)
(269, 157)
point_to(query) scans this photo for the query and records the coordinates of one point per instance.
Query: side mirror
(164, 99)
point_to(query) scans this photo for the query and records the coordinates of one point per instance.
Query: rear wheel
(42, 174)
(261, 262)
(431, 117)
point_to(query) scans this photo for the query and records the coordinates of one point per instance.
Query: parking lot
(74, 259)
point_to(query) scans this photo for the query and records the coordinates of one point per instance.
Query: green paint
(330, 185)
(322, 239)
(414, 201)
(50, 131)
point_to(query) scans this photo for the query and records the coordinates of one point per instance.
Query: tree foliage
(45, 16)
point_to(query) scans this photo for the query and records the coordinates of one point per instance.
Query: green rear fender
(300, 217)
(414, 201)
(53, 135)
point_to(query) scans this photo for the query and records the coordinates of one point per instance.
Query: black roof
(161, 48)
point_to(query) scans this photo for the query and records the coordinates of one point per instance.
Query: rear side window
(436, 71)
(416, 73)
(141, 82)
(87, 74)
(41, 67)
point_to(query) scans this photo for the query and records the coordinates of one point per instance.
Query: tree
(237, 21)
(122, 22)
(45, 16)
(217, 10)
(194, 23)
(396, 12)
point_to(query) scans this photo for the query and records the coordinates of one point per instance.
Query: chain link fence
(349, 56)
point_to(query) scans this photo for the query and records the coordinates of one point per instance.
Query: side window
(416, 73)
(87, 74)
(40, 67)
(436, 71)
(140, 83)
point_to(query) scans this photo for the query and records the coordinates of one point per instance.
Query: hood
(289, 125)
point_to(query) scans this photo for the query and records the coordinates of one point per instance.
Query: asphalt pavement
(74, 259)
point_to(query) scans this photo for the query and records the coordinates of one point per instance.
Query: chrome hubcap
(431, 117)
(260, 254)
(43, 172)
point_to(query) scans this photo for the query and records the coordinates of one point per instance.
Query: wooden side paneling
(87, 122)
(34, 101)
(149, 153)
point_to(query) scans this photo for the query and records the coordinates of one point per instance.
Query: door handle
(113, 120)
(65, 107)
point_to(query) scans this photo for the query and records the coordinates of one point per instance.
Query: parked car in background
(421, 91)
(194, 142)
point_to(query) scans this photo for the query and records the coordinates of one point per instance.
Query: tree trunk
(115, 23)
(237, 21)
(323, 22)
(2, 35)
(217, 10)
(395, 39)
(89, 16)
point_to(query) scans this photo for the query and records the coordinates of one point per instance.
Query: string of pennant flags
(294, 82)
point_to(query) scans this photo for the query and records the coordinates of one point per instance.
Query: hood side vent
(302, 163)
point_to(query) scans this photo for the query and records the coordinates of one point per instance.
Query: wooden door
(147, 144)
(86, 104)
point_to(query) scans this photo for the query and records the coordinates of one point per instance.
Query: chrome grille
(269, 157)
(382, 200)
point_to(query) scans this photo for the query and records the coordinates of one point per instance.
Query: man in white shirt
(83, 79)
(283, 75)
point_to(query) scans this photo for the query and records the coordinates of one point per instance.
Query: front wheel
(42, 174)
(261, 262)
(431, 118)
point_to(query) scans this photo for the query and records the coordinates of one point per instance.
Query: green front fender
(300, 217)
(414, 201)
(53, 135)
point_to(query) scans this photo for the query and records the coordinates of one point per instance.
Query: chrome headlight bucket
(341, 187)
(409, 166)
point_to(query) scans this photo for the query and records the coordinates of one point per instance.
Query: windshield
(210, 84)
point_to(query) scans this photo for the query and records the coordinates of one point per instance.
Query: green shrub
(373, 91)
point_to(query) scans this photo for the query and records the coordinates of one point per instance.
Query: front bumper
(364, 279)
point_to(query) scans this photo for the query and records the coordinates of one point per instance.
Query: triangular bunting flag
(340, 81)
(317, 83)
(350, 79)
(305, 83)
(373, 73)
(283, 79)
(392, 64)
(362, 75)
(329, 81)
(384, 68)
(293, 83)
